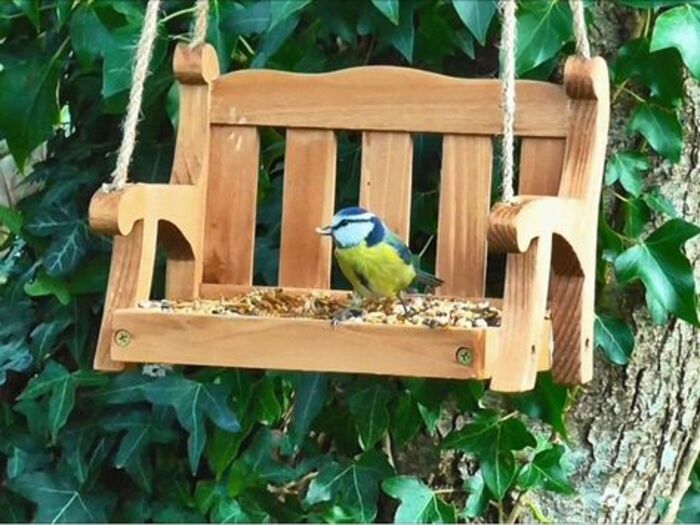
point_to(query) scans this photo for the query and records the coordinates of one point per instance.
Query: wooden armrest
(116, 213)
(512, 228)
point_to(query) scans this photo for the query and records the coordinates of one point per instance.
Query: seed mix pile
(422, 310)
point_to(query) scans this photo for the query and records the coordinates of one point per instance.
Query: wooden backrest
(386, 104)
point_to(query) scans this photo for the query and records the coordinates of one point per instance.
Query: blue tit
(373, 258)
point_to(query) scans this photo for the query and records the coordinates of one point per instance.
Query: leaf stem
(632, 94)
(176, 14)
(647, 24)
(618, 91)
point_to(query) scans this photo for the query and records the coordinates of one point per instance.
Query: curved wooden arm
(512, 228)
(527, 231)
(117, 212)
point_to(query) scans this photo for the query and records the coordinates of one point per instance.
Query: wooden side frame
(140, 214)
(568, 223)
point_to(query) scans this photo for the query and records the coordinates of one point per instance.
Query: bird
(373, 258)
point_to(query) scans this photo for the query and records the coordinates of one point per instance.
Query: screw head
(122, 338)
(464, 356)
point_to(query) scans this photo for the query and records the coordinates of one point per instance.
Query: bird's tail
(428, 279)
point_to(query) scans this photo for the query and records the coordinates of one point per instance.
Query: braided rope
(144, 52)
(508, 35)
(201, 23)
(583, 46)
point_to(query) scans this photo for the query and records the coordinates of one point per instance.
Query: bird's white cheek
(353, 233)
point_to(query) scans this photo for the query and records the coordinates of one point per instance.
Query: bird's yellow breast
(375, 271)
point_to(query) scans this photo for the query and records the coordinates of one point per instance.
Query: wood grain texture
(130, 279)
(463, 221)
(524, 306)
(385, 182)
(194, 69)
(229, 238)
(573, 280)
(385, 98)
(541, 161)
(303, 344)
(307, 203)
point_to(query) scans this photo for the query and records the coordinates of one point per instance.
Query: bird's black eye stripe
(345, 222)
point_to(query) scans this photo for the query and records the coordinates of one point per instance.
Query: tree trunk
(632, 429)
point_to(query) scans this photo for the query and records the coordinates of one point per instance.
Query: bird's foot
(346, 314)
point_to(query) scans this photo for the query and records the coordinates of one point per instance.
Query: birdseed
(423, 310)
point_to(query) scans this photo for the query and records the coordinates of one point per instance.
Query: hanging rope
(508, 44)
(583, 47)
(144, 51)
(508, 34)
(201, 23)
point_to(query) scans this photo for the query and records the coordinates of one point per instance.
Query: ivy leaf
(659, 203)
(488, 429)
(419, 504)
(659, 314)
(402, 37)
(543, 27)
(28, 102)
(661, 72)
(615, 338)
(665, 271)
(637, 216)
(59, 500)
(369, 410)
(30, 8)
(67, 251)
(354, 485)
(267, 407)
(545, 402)
(14, 357)
(11, 219)
(406, 420)
(193, 401)
(309, 397)
(281, 10)
(492, 439)
(499, 471)
(652, 4)
(88, 35)
(45, 336)
(545, 472)
(660, 127)
(476, 16)
(479, 496)
(389, 8)
(627, 167)
(44, 285)
(678, 28)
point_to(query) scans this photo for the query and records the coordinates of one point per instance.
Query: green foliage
(419, 504)
(236, 446)
(614, 338)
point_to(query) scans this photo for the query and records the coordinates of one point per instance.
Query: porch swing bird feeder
(205, 217)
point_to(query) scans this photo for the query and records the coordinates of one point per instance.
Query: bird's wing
(397, 244)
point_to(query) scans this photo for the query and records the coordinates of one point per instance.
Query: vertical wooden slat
(465, 191)
(524, 306)
(309, 191)
(130, 278)
(541, 161)
(385, 184)
(231, 203)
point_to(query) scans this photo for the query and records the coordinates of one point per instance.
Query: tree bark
(634, 429)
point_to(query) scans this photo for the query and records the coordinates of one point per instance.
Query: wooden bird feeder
(205, 218)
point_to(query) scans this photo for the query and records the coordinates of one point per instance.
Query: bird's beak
(326, 230)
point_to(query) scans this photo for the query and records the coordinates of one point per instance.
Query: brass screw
(122, 338)
(464, 356)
